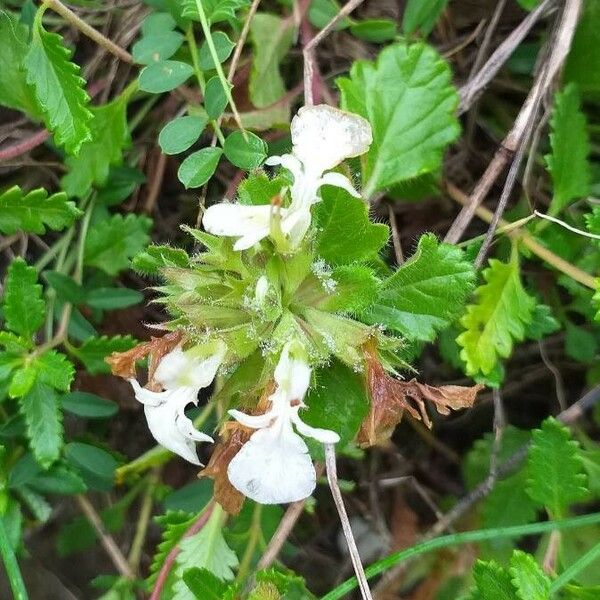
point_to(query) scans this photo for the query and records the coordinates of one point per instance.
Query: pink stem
(25, 145)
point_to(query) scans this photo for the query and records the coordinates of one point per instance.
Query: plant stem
(576, 568)
(12, 566)
(89, 31)
(251, 545)
(467, 537)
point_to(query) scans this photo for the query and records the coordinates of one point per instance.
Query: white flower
(322, 137)
(261, 290)
(182, 375)
(274, 465)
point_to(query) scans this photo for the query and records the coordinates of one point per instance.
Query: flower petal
(325, 436)
(292, 374)
(295, 224)
(148, 397)
(253, 421)
(180, 369)
(273, 467)
(250, 223)
(323, 136)
(185, 426)
(339, 180)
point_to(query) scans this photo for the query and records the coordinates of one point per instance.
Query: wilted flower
(182, 375)
(274, 465)
(322, 137)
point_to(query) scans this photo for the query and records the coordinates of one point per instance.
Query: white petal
(253, 421)
(287, 161)
(238, 220)
(295, 224)
(339, 180)
(323, 136)
(148, 397)
(185, 426)
(325, 436)
(193, 368)
(292, 373)
(273, 467)
(261, 290)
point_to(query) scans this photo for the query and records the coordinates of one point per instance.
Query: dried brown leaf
(390, 397)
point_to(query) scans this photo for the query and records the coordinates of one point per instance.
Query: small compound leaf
(199, 167)
(246, 153)
(164, 76)
(181, 133)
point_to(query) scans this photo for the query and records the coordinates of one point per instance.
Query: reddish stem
(306, 35)
(33, 141)
(196, 526)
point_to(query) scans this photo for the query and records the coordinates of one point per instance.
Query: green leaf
(422, 15)
(109, 135)
(341, 219)
(223, 46)
(542, 323)
(164, 76)
(215, 97)
(215, 10)
(24, 308)
(493, 581)
(426, 293)
(34, 211)
(154, 258)
(528, 4)
(157, 22)
(355, 290)
(527, 577)
(246, 153)
(22, 381)
(58, 87)
(323, 11)
(288, 584)
(58, 479)
(55, 369)
(181, 133)
(89, 406)
(375, 31)
(14, 44)
(156, 47)
(111, 298)
(580, 344)
(568, 163)
(191, 498)
(199, 167)
(583, 64)
(408, 98)
(94, 350)
(556, 474)
(66, 288)
(204, 584)
(111, 243)
(271, 39)
(324, 409)
(96, 466)
(500, 316)
(40, 408)
(258, 188)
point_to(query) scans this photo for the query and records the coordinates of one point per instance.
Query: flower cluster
(274, 465)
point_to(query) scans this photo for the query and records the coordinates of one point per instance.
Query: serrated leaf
(426, 293)
(94, 350)
(55, 369)
(568, 163)
(22, 381)
(493, 581)
(355, 291)
(556, 474)
(203, 584)
(109, 135)
(34, 211)
(529, 580)
(154, 258)
(271, 39)
(14, 89)
(408, 97)
(111, 243)
(24, 309)
(499, 318)
(40, 408)
(341, 219)
(58, 87)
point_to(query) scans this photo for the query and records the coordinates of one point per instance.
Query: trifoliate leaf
(14, 44)
(111, 243)
(94, 350)
(493, 581)
(421, 15)
(500, 316)
(529, 580)
(24, 309)
(426, 293)
(271, 39)
(181, 133)
(34, 211)
(109, 135)
(556, 474)
(41, 410)
(58, 87)
(154, 258)
(568, 163)
(341, 219)
(408, 97)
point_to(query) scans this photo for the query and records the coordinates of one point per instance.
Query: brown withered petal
(235, 436)
(390, 397)
(122, 364)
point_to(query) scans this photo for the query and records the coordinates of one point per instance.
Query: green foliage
(568, 162)
(199, 167)
(271, 38)
(556, 475)
(154, 258)
(164, 76)
(341, 219)
(246, 153)
(529, 580)
(156, 47)
(215, 97)
(375, 31)
(216, 10)
(95, 466)
(90, 406)
(109, 135)
(492, 581)
(34, 211)
(181, 133)
(95, 349)
(111, 243)
(422, 15)
(223, 46)
(426, 293)
(24, 309)
(409, 100)
(111, 298)
(204, 584)
(58, 87)
(500, 316)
